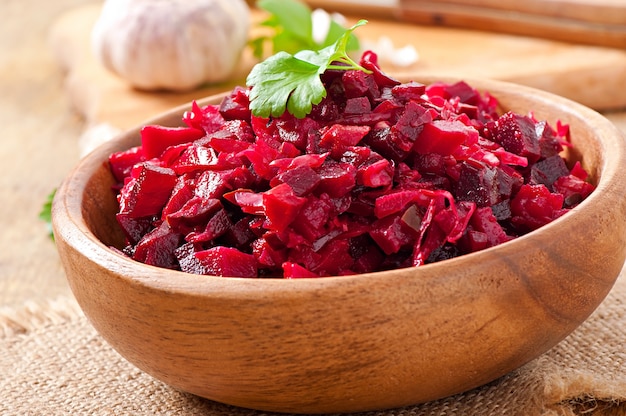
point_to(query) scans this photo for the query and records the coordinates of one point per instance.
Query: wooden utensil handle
(590, 22)
(520, 22)
(598, 12)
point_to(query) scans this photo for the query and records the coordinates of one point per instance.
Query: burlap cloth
(54, 363)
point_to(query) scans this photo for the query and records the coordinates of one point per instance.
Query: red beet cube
(215, 227)
(147, 194)
(517, 134)
(336, 179)
(227, 262)
(158, 246)
(121, 163)
(302, 179)
(155, 139)
(444, 137)
(236, 105)
(295, 271)
(194, 214)
(534, 206)
(282, 206)
(376, 174)
(391, 234)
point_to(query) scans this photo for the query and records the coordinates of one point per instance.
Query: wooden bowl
(356, 343)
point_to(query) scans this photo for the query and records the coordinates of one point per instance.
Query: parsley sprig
(45, 214)
(292, 82)
(291, 26)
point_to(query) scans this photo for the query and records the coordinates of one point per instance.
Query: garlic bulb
(171, 44)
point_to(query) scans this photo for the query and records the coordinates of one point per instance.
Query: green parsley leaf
(46, 212)
(292, 82)
(292, 23)
(291, 18)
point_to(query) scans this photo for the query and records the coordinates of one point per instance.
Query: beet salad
(377, 175)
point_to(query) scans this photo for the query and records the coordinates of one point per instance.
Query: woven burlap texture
(54, 363)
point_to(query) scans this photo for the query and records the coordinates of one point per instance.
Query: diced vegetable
(378, 175)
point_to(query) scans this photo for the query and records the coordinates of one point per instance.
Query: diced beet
(294, 130)
(509, 158)
(327, 110)
(391, 234)
(155, 139)
(466, 93)
(534, 206)
(548, 140)
(502, 210)
(335, 258)
(158, 246)
(148, 193)
(249, 201)
(183, 191)
(227, 262)
(187, 260)
(268, 255)
(485, 222)
(240, 177)
(359, 84)
(475, 241)
(260, 156)
(382, 141)
(391, 107)
(338, 138)
(134, 228)
(546, 171)
(517, 134)
(312, 219)
(295, 271)
(376, 174)
(357, 105)
(207, 118)
(311, 160)
(239, 235)
(337, 179)
(409, 91)
(217, 225)
(236, 105)
(369, 61)
(573, 189)
(282, 206)
(444, 137)
(304, 256)
(478, 184)
(194, 214)
(409, 126)
(227, 142)
(194, 158)
(302, 179)
(211, 184)
(241, 129)
(122, 162)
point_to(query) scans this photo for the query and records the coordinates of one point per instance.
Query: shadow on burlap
(54, 363)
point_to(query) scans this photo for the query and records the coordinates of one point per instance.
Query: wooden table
(39, 134)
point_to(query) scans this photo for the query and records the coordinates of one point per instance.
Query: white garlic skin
(174, 45)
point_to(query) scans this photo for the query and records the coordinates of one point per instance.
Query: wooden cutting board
(594, 76)
(590, 22)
